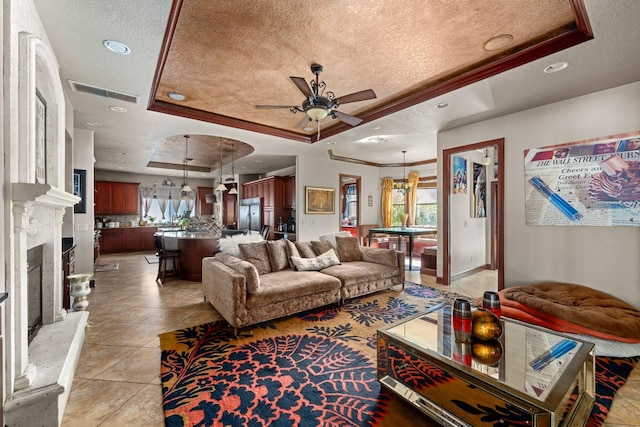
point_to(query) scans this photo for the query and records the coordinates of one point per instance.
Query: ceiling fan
(320, 104)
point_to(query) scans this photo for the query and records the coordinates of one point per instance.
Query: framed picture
(479, 196)
(319, 200)
(80, 190)
(459, 175)
(41, 138)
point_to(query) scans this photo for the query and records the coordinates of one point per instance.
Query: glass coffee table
(487, 382)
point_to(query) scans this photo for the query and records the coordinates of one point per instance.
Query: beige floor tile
(141, 367)
(97, 358)
(96, 400)
(143, 409)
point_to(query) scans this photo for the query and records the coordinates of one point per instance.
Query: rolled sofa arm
(226, 290)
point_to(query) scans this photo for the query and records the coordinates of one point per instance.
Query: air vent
(105, 93)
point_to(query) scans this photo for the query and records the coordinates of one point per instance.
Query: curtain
(387, 203)
(162, 194)
(146, 194)
(176, 202)
(191, 202)
(413, 180)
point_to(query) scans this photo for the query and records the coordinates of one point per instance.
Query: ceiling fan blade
(275, 106)
(303, 86)
(304, 122)
(363, 95)
(347, 118)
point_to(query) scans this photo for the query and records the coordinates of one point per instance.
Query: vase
(404, 221)
(79, 288)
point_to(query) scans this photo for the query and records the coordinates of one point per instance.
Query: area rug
(314, 369)
(105, 267)
(152, 259)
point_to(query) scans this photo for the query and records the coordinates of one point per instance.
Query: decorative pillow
(229, 245)
(257, 254)
(348, 249)
(305, 249)
(331, 237)
(379, 256)
(320, 247)
(321, 262)
(292, 250)
(277, 254)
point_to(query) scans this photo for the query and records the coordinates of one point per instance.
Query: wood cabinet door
(102, 198)
(268, 219)
(131, 199)
(204, 208)
(112, 242)
(290, 192)
(118, 198)
(132, 240)
(230, 210)
(148, 241)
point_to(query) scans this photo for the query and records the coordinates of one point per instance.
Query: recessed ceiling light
(117, 47)
(94, 124)
(122, 154)
(371, 140)
(554, 68)
(308, 128)
(176, 96)
(120, 167)
(498, 42)
(258, 161)
(376, 127)
(122, 142)
(118, 109)
(331, 143)
(442, 105)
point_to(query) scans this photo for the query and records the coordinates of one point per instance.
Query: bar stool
(164, 255)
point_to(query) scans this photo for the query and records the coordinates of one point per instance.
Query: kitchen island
(194, 246)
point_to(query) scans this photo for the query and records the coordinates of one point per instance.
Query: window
(169, 212)
(398, 207)
(427, 206)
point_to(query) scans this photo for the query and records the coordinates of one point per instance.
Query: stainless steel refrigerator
(250, 218)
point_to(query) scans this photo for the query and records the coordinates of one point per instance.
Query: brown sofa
(247, 291)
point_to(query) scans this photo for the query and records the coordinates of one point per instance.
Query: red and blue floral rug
(314, 369)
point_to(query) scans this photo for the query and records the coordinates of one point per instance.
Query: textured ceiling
(226, 59)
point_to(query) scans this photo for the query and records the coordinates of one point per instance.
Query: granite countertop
(188, 235)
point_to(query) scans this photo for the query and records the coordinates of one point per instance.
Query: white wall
(83, 222)
(604, 258)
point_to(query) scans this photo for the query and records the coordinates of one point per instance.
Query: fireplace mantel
(42, 194)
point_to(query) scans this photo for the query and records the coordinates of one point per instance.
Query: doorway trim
(499, 214)
(357, 179)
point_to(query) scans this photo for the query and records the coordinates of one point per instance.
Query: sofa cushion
(256, 254)
(348, 249)
(379, 256)
(278, 257)
(291, 251)
(353, 273)
(321, 247)
(331, 237)
(229, 245)
(306, 249)
(287, 285)
(320, 262)
(245, 268)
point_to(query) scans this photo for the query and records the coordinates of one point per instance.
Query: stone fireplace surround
(38, 375)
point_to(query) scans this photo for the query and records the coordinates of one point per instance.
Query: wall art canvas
(459, 175)
(595, 182)
(319, 200)
(479, 196)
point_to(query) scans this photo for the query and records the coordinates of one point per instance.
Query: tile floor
(117, 381)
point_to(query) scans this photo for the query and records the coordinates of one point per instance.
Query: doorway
(496, 217)
(350, 203)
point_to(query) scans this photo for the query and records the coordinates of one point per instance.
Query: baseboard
(467, 273)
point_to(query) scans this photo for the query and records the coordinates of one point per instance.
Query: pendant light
(185, 185)
(487, 160)
(221, 186)
(403, 186)
(233, 175)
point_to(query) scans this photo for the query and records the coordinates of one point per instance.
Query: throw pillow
(305, 249)
(257, 254)
(331, 237)
(348, 249)
(277, 254)
(292, 250)
(379, 256)
(321, 247)
(229, 245)
(321, 262)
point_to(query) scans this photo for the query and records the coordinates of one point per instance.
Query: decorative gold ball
(486, 325)
(486, 352)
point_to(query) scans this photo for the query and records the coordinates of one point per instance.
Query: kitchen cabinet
(271, 191)
(117, 198)
(203, 207)
(127, 239)
(290, 192)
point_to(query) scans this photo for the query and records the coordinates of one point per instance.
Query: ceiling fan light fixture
(317, 113)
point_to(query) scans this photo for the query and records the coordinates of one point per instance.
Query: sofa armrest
(225, 289)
